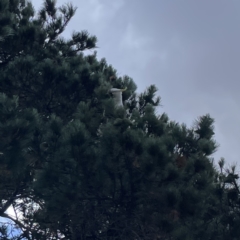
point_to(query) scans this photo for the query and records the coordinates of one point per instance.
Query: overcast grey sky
(188, 49)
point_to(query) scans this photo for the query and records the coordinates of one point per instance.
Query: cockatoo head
(117, 96)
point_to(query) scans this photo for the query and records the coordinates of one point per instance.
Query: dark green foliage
(73, 166)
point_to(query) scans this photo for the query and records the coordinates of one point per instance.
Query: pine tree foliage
(73, 166)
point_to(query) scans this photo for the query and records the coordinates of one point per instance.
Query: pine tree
(75, 166)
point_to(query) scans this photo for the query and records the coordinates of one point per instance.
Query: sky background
(189, 49)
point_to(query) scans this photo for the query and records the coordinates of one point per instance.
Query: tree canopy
(75, 166)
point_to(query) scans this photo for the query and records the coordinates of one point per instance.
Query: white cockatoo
(117, 96)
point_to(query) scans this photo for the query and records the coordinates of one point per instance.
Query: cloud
(99, 11)
(133, 40)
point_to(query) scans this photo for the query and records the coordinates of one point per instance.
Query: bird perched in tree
(117, 96)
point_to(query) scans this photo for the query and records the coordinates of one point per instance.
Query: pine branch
(8, 203)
